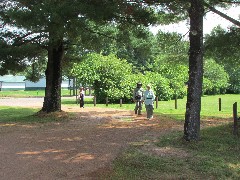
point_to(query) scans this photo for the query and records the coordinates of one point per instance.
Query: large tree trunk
(193, 106)
(52, 99)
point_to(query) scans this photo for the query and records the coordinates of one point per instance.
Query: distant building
(41, 84)
(10, 82)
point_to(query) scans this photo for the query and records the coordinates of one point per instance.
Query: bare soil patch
(82, 147)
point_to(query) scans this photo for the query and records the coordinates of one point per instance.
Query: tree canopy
(55, 25)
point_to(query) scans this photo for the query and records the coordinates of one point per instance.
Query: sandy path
(80, 148)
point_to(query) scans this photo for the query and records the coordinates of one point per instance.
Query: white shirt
(148, 97)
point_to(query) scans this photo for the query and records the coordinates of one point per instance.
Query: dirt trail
(80, 148)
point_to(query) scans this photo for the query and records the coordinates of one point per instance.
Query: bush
(215, 78)
(160, 85)
(175, 72)
(234, 79)
(108, 75)
(114, 78)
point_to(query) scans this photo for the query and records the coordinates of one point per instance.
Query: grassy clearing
(33, 93)
(216, 156)
(72, 101)
(28, 115)
(210, 107)
(166, 108)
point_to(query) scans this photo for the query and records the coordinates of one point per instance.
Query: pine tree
(55, 24)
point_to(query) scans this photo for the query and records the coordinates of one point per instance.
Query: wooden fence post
(106, 101)
(77, 99)
(175, 102)
(235, 119)
(95, 100)
(89, 90)
(120, 102)
(220, 104)
(156, 102)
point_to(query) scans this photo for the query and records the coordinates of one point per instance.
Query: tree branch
(34, 40)
(230, 2)
(99, 33)
(234, 21)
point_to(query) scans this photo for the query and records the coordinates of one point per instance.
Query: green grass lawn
(209, 104)
(33, 93)
(28, 115)
(21, 93)
(209, 108)
(10, 114)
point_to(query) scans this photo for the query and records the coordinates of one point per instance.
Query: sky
(210, 21)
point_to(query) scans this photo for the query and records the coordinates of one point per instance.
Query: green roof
(11, 78)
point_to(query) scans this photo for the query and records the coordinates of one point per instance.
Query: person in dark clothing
(81, 97)
(137, 98)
